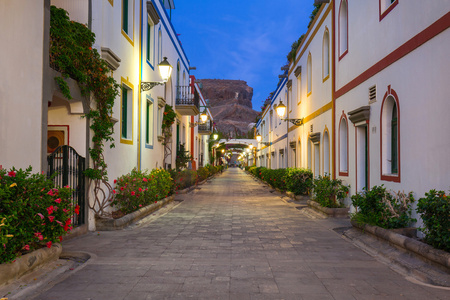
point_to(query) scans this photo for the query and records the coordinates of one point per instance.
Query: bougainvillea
(33, 213)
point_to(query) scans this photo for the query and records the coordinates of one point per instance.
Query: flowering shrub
(435, 210)
(140, 188)
(329, 192)
(299, 181)
(202, 173)
(33, 213)
(183, 179)
(383, 208)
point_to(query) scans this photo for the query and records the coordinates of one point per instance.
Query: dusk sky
(246, 40)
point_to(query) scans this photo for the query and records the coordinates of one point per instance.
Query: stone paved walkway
(232, 239)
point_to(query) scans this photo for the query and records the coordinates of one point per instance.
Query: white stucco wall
(21, 83)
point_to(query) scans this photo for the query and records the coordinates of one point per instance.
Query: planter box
(425, 251)
(330, 212)
(28, 262)
(117, 224)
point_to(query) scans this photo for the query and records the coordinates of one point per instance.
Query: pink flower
(49, 244)
(26, 247)
(65, 210)
(40, 215)
(67, 187)
(133, 193)
(140, 205)
(140, 189)
(58, 200)
(59, 222)
(50, 193)
(12, 174)
(144, 179)
(122, 188)
(39, 236)
(51, 218)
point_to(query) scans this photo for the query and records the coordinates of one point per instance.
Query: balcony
(187, 104)
(205, 129)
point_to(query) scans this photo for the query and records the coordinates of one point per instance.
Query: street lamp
(165, 70)
(215, 136)
(204, 116)
(281, 111)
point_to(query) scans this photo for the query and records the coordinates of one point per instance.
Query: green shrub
(329, 192)
(383, 208)
(184, 179)
(435, 212)
(299, 181)
(202, 173)
(139, 188)
(33, 213)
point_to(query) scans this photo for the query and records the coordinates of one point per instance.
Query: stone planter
(117, 224)
(330, 212)
(439, 257)
(28, 262)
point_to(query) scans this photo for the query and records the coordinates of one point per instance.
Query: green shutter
(147, 135)
(394, 141)
(125, 16)
(124, 111)
(148, 41)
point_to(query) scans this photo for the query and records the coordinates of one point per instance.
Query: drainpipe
(139, 90)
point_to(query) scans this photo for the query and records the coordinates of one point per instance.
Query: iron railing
(185, 97)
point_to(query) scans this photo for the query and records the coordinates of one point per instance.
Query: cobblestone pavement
(232, 239)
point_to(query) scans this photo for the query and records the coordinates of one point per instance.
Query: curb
(28, 262)
(330, 212)
(297, 197)
(436, 256)
(121, 223)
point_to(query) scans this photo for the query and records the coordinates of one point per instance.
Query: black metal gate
(69, 168)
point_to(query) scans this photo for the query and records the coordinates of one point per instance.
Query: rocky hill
(231, 104)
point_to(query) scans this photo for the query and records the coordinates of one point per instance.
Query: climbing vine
(167, 122)
(71, 54)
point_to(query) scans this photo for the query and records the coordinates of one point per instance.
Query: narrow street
(231, 239)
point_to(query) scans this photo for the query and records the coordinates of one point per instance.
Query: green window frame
(149, 27)
(125, 16)
(124, 112)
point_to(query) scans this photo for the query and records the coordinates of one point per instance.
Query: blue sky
(235, 39)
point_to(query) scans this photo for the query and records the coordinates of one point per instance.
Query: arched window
(390, 137)
(326, 153)
(343, 28)
(343, 147)
(309, 154)
(299, 154)
(326, 55)
(309, 74)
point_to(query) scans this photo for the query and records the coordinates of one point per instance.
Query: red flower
(12, 174)
(144, 179)
(60, 238)
(77, 210)
(140, 189)
(122, 188)
(26, 247)
(114, 191)
(50, 209)
(51, 218)
(49, 244)
(115, 180)
(58, 200)
(133, 193)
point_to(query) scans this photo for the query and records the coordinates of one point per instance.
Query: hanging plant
(71, 54)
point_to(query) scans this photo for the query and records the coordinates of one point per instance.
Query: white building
(369, 84)
(133, 37)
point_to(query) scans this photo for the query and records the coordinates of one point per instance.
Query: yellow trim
(326, 78)
(129, 39)
(111, 2)
(127, 83)
(305, 45)
(315, 114)
(309, 94)
(139, 93)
